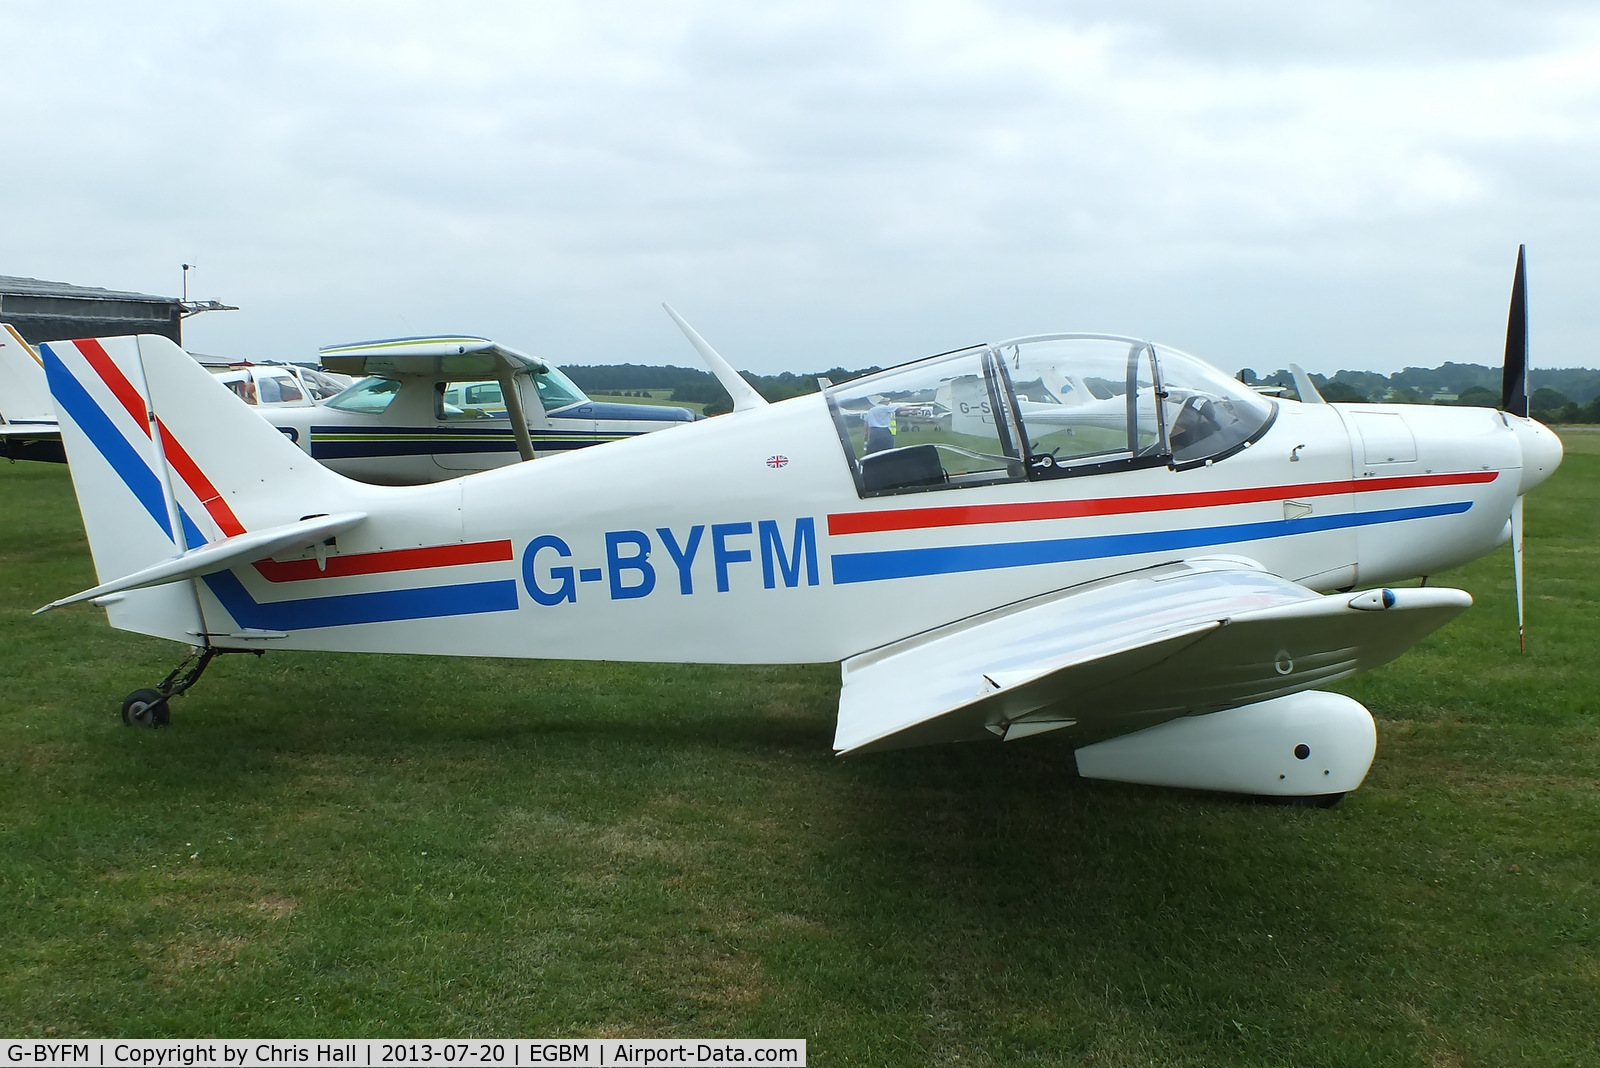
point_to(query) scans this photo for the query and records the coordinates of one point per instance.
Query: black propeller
(1514, 380)
(1514, 401)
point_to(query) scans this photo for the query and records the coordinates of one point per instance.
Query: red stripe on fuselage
(1034, 511)
(478, 552)
(112, 376)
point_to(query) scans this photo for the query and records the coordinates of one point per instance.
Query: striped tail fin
(134, 413)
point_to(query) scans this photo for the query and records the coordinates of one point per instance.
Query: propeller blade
(1516, 557)
(1514, 383)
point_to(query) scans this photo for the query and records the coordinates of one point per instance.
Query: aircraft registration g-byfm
(1148, 580)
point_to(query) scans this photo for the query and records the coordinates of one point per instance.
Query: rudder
(134, 411)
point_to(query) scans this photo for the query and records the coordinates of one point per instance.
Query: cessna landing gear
(149, 708)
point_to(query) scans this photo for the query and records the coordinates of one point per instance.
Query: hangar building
(57, 311)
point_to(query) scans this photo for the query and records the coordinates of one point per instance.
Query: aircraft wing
(1125, 653)
(462, 357)
(32, 441)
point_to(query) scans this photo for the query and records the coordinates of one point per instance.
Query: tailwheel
(150, 708)
(146, 708)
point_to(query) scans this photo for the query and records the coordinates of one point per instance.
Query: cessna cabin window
(278, 388)
(936, 424)
(370, 396)
(469, 400)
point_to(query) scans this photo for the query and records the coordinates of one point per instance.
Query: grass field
(651, 396)
(333, 845)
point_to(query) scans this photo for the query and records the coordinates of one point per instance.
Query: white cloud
(819, 183)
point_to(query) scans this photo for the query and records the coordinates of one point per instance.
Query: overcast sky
(813, 184)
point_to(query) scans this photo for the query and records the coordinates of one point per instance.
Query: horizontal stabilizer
(1125, 653)
(223, 555)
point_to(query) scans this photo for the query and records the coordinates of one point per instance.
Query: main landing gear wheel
(146, 708)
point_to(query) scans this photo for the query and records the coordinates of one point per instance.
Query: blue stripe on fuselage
(343, 610)
(952, 559)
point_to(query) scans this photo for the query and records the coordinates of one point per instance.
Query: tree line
(1559, 395)
(692, 386)
(1564, 395)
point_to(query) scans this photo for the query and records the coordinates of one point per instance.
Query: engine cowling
(1307, 744)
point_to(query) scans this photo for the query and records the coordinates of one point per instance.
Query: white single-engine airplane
(1162, 603)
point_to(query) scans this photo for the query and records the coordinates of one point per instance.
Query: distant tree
(1367, 383)
(1479, 397)
(1547, 399)
(1579, 384)
(1340, 393)
(1406, 395)
(1247, 376)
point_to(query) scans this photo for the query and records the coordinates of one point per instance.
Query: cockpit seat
(914, 465)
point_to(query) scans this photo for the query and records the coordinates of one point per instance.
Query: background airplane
(281, 383)
(426, 409)
(28, 429)
(433, 408)
(1170, 608)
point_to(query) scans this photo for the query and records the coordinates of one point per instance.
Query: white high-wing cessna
(429, 408)
(1154, 589)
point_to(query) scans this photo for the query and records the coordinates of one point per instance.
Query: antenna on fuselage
(743, 393)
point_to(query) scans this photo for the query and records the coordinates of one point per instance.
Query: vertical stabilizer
(135, 412)
(24, 397)
(120, 478)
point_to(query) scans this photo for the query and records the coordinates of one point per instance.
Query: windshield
(369, 396)
(320, 385)
(1209, 415)
(556, 390)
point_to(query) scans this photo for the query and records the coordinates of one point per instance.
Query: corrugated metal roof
(11, 285)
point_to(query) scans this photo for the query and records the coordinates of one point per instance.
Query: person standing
(880, 425)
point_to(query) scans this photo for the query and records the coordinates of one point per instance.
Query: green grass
(662, 397)
(383, 846)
